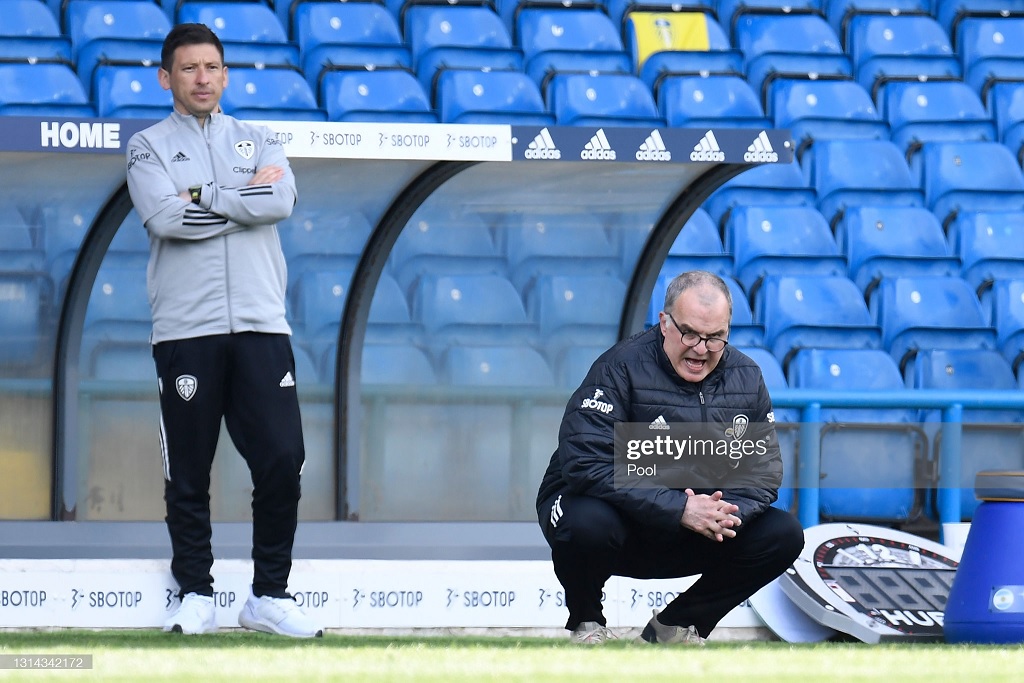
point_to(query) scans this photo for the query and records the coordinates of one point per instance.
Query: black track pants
(592, 541)
(246, 379)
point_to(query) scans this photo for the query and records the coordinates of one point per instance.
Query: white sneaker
(194, 616)
(277, 615)
(591, 633)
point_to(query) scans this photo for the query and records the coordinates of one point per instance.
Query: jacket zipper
(703, 407)
(207, 134)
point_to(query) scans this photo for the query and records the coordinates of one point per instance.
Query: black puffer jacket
(635, 382)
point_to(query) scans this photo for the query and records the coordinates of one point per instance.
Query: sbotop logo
(760, 150)
(596, 404)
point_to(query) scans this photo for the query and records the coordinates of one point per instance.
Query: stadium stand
(839, 13)
(991, 50)
(870, 458)
(935, 111)
(42, 89)
(380, 95)
(954, 14)
(30, 32)
(557, 40)
(970, 176)
(893, 241)
(130, 91)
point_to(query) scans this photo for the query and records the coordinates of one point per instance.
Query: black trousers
(247, 380)
(593, 541)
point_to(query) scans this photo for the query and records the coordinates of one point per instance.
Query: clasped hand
(710, 516)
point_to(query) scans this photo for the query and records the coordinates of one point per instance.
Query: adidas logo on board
(707, 149)
(653, 149)
(543, 147)
(598, 148)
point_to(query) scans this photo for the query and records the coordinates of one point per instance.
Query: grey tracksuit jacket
(216, 268)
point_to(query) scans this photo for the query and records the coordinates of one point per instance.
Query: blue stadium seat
(42, 89)
(839, 13)
(720, 101)
(118, 310)
(837, 172)
(24, 307)
(436, 242)
(573, 310)
(572, 366)
(825, 109)
(786, 422)
(131, 92)
(870, 458)
(991, 50)
(317, 300)
(902, 47)
(123, 362)
(30, 31)
(783, 240)
(731, 11)
(893, 241)
(1005, 104)
(509, 10)
(18, 249)
(1004, 305)
(471, 309)
(270, 94)
(459, 36)
(472, 96)
(990, 439)
(764, 184)
(555, 40)
(495, 366)
(380, 95)
(813, 311)
(970, 176)
(932, 111)
(113, 29)
(250, 31)
(953, 15)
(667, 42)
(990, 245)
(313, 239)
(928, 312)
(347, 34)
(391, 364)
(787, 46)
(698, 246)
(539, 244)
(578, 99)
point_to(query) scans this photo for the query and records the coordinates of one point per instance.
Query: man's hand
(266, 175)
(710, 516)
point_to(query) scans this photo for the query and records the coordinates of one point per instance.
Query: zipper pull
(700, 393)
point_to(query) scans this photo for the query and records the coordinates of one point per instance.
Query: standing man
(599, 525)
(210, 189)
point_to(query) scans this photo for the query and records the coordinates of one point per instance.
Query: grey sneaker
(194, 616)
(657, 632)
(591, 633)
(281, 616)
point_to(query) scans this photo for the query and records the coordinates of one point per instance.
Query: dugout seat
(380, 95)
(813, 311)
(470, 309)
(390, 364)
(539, 244)
(698, 246)
(573, 310)
(315, 239)
(495, 366)
(893, 241)
(871, 458)
(926, 312)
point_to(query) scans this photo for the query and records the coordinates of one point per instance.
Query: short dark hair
(187, 34)
(695, 278)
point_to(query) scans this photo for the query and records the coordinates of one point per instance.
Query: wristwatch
(196, 192)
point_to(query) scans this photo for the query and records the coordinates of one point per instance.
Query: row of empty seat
(436, 44)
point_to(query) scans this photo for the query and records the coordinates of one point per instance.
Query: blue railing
(952, 404)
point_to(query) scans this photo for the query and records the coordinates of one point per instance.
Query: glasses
(712, 344)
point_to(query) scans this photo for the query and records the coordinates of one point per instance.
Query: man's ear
(164, 78)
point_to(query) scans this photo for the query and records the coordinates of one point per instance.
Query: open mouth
(694, 364)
